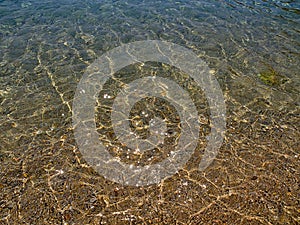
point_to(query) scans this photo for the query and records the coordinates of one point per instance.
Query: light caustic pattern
(98, 73)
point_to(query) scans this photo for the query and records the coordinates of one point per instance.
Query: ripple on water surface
(251, 47)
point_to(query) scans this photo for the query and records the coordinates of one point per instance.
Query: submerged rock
(271, 77)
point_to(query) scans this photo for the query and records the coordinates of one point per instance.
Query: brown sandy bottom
(45, 49)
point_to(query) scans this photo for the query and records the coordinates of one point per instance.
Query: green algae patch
(271, 77)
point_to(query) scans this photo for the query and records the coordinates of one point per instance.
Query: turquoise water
(251, 47)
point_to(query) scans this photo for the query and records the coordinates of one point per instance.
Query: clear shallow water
(253, 49)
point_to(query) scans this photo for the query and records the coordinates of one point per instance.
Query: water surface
(251, 47)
